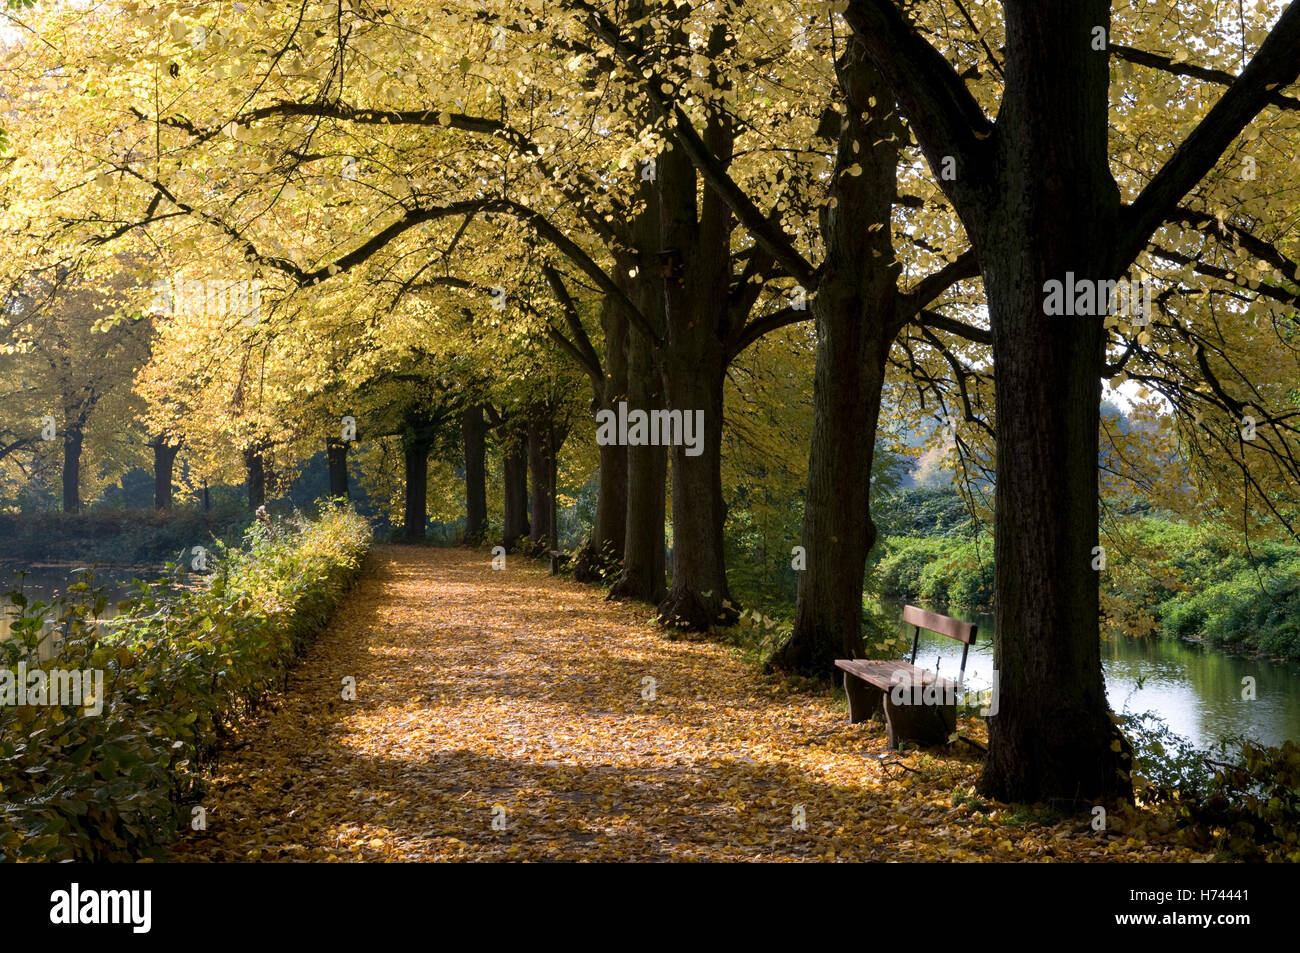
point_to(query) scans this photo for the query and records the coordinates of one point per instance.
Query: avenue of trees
(434, 241)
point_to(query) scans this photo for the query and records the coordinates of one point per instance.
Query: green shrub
(1253, 810)
(904, 559)
(1254, 611)
(1183, 580)
(923, 511)
(1167, 767)
(1201, 581)
(179, 671)
(943, 571)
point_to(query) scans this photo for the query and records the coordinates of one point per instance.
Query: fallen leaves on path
(507, 715)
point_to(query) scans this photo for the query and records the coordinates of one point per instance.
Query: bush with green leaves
(923, 511)
(1253, 808)
(1167, 767)
(1194, 581)
(1236, 797)
(181, 668)
(938, 570)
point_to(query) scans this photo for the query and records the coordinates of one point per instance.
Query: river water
(44, 582)
(1197, 689)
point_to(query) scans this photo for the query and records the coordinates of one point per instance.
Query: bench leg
(864, 699)
(924, 724)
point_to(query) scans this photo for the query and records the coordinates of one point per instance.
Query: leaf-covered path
(515, 697)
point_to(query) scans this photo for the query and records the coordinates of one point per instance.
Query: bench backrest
(955, 629)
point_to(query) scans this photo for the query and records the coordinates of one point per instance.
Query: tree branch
(766, 324)
(932, 319)
(940, 109)
(1218, 76)
(765, 232)
(580, 347)
(966, 265)
(1275, 65)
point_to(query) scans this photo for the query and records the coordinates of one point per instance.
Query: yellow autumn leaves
(500, 716)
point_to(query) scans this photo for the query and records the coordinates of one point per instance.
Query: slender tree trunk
(336, 451)
(642, 577)
(554, 482)
(72, 440)
(415, 451)
(855, 313)
(515, 478)
(604, 550)
(541, 470)
(164, 460)
(255, 468)
(474, 432)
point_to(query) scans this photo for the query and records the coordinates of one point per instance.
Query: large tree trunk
(474, 432)
(642, 577)
(255, 470)
(1052, 735)
(415, 452)
(336, 452)
(696, 270)
(164, 461)
(604, 551)
(72, 440)
(837, 529)
(515, 479)
(855, 310)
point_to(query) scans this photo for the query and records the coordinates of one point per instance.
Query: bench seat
(916, 703)
(875, 688)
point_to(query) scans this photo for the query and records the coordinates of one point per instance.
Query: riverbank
(1158, 577)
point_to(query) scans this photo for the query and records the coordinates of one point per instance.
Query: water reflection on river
(45, 582)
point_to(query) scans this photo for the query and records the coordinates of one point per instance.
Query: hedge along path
(490, 698)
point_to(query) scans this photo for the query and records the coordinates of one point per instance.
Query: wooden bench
(558, 559)
(917, 704)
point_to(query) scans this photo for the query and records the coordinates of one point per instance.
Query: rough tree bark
(1059, 213)
(336, 453)
(857, 314)
(164, 461)
(415, 454)
(474, 432)
(695, 267)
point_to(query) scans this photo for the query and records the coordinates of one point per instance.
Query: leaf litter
(502, 715)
